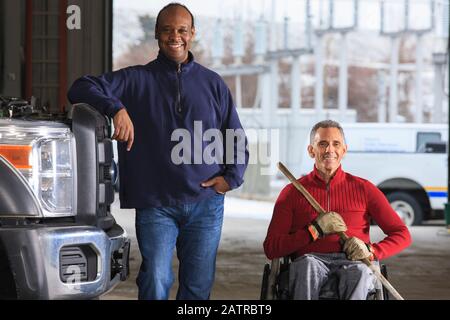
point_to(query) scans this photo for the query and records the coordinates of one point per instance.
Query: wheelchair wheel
(265, 282)
(383, 269)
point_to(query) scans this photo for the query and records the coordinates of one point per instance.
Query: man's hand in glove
(356, 249)
(330, 222)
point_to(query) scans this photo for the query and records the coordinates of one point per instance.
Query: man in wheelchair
(322, 266)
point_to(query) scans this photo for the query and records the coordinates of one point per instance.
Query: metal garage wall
(40, 56)
(60, 55)
(90, 48)
(12, 17)
(2, 28)
(46, 58)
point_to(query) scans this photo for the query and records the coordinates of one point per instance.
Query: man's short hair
(174, 4)
(325, 124)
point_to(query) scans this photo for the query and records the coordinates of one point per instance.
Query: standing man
(177, 194)
(321, 264)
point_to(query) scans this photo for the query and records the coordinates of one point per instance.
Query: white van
(406, 161)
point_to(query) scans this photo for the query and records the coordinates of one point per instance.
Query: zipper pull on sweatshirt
(328, 197)
(178, 107)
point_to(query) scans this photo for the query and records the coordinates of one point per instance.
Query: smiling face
(327, 149)
(175, 33)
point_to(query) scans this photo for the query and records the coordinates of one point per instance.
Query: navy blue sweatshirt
(161, 97)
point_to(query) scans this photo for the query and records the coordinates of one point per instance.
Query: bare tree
(363, 93)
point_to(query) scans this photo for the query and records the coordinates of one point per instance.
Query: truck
(406, 161)
(58, 238)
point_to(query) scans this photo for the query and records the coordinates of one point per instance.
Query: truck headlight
(45, 155)
(54, 177)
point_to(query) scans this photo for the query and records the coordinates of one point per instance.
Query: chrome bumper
(34, 257)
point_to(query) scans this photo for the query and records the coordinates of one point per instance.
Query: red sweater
(355, 199)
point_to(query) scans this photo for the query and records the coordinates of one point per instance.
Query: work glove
(356, 249)
(330, 222)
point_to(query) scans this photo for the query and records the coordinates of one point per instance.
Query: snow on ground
(253, 209)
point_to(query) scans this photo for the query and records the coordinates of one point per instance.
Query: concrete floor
(420, 272)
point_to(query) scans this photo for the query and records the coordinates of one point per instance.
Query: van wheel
(407, 207)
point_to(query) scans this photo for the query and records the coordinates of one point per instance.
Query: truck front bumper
(65, 262)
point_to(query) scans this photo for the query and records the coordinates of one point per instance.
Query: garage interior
(40, 57)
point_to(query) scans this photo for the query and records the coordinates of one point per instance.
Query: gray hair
(325, 124)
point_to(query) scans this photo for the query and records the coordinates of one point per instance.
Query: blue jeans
(194, 229)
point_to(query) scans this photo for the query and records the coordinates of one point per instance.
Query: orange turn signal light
(19, 156)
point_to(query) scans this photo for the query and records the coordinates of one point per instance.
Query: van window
(426, 137)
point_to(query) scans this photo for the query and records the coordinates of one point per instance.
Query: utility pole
(395, 38)
(343, 66)
(439, 61)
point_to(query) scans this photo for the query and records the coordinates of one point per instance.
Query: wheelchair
(275, 282)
